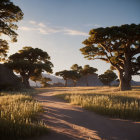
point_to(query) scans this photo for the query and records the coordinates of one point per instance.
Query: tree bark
(125, 84)
(125, 76)
(25, 81)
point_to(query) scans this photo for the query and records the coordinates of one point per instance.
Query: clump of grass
(18, 117)
(114, 105)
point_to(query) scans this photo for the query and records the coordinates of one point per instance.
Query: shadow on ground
(68, 122)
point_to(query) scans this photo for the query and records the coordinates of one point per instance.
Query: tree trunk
(25, 81)
(125, 75)
(125, 84)
(125, 81)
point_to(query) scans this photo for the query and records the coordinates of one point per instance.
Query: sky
(60, 26)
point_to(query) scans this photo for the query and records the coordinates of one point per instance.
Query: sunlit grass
(18, 117)
(106, 100)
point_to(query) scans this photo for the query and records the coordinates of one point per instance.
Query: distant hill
(54, 80)
(92, 81)
(135, 83)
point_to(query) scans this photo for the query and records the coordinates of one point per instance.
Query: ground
(70, 122)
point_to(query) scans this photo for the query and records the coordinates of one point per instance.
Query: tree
(117, 45)
(75, 73)
(69, 74)
(9, 15)
(86, 71)
(108, 77)
(65, 74)
(29, 62)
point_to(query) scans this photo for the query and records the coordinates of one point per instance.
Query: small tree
(117, 45)
(29, 62)
(86, 71)
(65, 74)
(108, 77)
(9, 15)
(75, 73)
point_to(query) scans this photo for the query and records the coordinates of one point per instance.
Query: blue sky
(60, 26)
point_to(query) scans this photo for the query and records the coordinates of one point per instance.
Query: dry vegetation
(105, 100)
(18, 116)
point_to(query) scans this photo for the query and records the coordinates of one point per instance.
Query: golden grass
(105, 100)
(18, 114)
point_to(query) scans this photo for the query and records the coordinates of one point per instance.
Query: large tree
(29, 62)
(117, 45)
(9, 15)
(108, 77)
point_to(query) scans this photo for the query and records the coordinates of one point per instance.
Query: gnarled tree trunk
(125, 84)
(126, 75)
(25, 81)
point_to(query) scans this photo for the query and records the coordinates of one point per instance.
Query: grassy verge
(18, 116)
(117, 104)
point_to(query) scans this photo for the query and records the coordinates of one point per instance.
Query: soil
(70, 122)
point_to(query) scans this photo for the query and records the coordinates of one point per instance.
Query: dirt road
(69, 122)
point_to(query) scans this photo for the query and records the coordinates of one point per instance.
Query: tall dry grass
(18, 117)
(105, 100)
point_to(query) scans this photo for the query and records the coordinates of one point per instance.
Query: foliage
(76, 72)
(108, 77)
(67, 74)
(18, 117)
(9, 15)
(30, 62)
(76, 67)
(44, 81)
(117, 45)
(88, 70)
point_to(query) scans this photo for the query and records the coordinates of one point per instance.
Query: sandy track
(69, 122)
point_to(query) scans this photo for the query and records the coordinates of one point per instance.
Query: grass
(106, 101)
(18, 116)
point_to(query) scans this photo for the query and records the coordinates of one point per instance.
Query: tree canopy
(108, 77)
(9, 15)
(117, 45)
(66, 74)
(29, 62)
(88, 70)
(76, 72)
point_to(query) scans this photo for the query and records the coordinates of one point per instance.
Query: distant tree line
(117, 45)
(76, 72)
